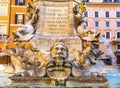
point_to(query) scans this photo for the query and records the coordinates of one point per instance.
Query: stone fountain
(54, 47)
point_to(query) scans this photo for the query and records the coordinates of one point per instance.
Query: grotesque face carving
(59, 50)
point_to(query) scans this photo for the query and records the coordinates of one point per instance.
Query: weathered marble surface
(61, 49)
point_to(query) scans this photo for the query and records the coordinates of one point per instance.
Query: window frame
(118, 46)
(3, 32)
(96, 24)
(118, 35)
(16, 18)
(4, 11)
(107, 14)
(118, 14)
(118, 24)
(96, 14)
(17, 2)
(107, 24)
(107, 35)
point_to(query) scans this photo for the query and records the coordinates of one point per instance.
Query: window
(96, 14)
(86, 0)
(107, 0)
(117, 14)
(20, 2)
(96, 24)
(118, 46)
(19, 18)
(86, 14)
(116, 0)
(107, 24)
(107, 35)
(3, 9)
(118, 24)
(107, 14)
(118, 34)
(2, 31)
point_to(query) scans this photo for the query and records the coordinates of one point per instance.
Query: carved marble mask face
(59, 50)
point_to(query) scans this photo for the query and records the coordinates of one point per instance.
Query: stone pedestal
(56, 23)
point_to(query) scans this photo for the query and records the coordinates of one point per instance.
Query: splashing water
(106, 43)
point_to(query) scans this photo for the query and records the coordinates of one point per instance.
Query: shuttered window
(19, 18)
(20, 2)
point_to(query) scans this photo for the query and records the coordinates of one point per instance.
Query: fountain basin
(113, 79)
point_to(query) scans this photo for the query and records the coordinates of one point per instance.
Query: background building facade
(105, 17)
(4, 21)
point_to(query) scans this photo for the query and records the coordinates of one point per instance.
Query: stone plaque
(56, 24)
(56, 21)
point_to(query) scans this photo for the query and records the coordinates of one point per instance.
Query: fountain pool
(113, 82)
